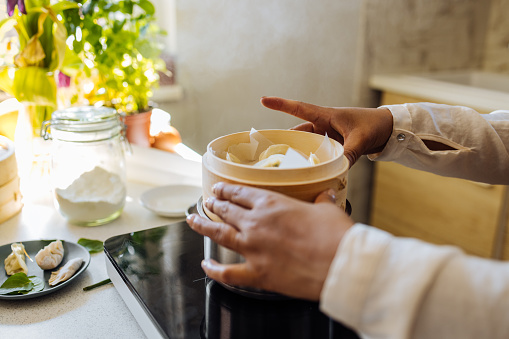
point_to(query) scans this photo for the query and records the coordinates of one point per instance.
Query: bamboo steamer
(304, 183)
(8, 166)
(10, 195)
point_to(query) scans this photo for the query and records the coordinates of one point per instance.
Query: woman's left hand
(288, 244)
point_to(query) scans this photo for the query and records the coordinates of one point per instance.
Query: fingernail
(209, 202)
(206, 264)
(190, 218)
(215, 187)
(332, 194)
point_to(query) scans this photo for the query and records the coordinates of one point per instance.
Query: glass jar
(88, 175)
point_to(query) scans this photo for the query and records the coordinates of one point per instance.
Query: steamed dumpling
(15, 262)
(65, 272)
(50, 256)
(274, 149)
(272, 161)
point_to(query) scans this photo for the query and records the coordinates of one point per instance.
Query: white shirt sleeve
(480, 141)
(388, 287)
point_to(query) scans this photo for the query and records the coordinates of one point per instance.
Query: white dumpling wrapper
(15, 262)
(65, 272)
(272, 161)
(50, 256)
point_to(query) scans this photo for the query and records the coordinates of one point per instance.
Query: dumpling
(65, 272)
(272, 161)
(15, 262)
(50, 256)
(274, 149)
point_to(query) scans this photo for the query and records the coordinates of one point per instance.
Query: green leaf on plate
(17, 283)
(93, 246)
(38, 284)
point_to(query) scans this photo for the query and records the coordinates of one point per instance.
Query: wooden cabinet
(440, 210)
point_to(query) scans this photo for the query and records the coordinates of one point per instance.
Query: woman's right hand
(360, 130)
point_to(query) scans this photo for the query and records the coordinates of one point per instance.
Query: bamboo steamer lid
(304, 183)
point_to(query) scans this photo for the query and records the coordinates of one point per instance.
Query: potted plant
(33, 51)
(116, 41)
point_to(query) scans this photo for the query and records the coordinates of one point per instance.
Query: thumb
(353, 149)
(328, 196)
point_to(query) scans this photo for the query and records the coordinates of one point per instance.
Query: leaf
(6, 82)
(59, 41)
(32, 54)
(147, 6)
(34, 85)
(93, 246)
(6, 25)
(16, 283)
(38, 284)
(63, 5)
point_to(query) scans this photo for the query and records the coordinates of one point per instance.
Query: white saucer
(171, 201)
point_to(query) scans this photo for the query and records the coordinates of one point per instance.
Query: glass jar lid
(84, 114)
(83, 123)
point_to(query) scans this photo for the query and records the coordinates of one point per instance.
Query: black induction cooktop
(157, 272)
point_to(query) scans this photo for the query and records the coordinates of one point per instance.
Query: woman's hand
(288, 244)
(360, 130)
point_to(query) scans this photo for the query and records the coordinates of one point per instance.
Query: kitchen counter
(482, 91)
(100, 313)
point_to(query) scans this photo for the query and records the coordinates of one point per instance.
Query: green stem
(91, 287)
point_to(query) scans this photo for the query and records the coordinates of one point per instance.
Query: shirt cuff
(398, 141)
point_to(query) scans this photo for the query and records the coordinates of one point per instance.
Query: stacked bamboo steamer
(10, 195)
(304, 183)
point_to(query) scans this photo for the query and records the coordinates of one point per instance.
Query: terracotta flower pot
(138, 128)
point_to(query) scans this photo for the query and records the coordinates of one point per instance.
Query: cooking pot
(221, 254)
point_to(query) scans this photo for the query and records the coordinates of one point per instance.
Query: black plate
(71, 251)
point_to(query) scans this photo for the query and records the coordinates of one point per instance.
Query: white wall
(230, 53)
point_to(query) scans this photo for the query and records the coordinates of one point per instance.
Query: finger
(227, 211)
(221, 233)
(299, 109)
(233, 274)
(305, 127)
(244, 196)
(328, 196)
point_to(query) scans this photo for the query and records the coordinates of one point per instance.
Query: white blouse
(387, 287)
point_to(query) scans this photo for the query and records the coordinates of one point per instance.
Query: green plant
(117, 42)
(33, 49)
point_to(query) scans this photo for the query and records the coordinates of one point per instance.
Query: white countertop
(482, 91)
(99, 313)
